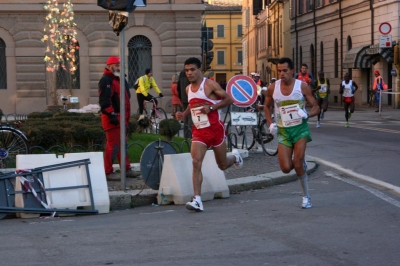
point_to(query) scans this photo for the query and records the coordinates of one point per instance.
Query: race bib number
(323, 88)
(200, 120)
(289, 115)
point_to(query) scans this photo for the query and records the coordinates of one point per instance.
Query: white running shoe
(306, 204)
(239, 161)
(318, 124)
(194, 205)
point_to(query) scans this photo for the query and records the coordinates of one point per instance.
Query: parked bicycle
(155, 114)
(12, 143)
(259, 134)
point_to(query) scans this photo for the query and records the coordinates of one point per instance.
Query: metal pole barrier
(122, 110)
(380, 102)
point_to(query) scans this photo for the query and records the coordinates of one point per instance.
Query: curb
(121, 200)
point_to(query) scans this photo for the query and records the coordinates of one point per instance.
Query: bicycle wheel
(238, 130)
(269, 142)
(12, 143)
(157, 117)
(251, 138)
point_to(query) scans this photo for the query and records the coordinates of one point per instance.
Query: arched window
(65, 79)
(321, 63)
(139, 57)
(312, 59)
(336, 55)
(3, 65)
(349, 44)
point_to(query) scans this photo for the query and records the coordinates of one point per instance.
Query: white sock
(198, 198)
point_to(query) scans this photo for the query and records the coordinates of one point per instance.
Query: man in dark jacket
(182, 84)
(109, 100)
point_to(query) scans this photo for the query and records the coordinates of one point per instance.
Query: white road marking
(366, 178)
(355, 125)
(369, 189)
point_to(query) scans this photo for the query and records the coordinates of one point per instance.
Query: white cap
(273, 79)
(264, 88)
(256, 74)
(252, 73)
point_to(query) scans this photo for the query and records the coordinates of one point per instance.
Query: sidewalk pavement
(259, 171)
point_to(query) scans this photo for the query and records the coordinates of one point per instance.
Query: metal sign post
(122, 109)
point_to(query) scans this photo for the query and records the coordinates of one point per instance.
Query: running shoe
(347, 124)
(239, 161)
(322, 114)
(318, 124)
(194, 205)
(306, 204)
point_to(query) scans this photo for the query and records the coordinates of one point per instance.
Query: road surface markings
(365, 178)
(369, 189)
(352, 125)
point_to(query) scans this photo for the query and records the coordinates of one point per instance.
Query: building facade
(168, 30)
(343, 36)
(224, 19)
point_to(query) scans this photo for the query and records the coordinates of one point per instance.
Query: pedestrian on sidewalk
(291, 127)
(176, 102)
(109, 100)
(322, 93)
(206, 97)
(347, 88)
(379, 84)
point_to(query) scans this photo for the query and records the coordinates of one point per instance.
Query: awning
(357, 58)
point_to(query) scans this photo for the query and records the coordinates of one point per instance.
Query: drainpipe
(341, 39)
(315, 43)
(297, 34)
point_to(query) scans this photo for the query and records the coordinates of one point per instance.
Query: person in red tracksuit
(109, 100)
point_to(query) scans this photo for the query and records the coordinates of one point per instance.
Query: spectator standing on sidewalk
(347, 88)
(322, 93)
(187, 122)
(146, 82)
(109, 100)
(206, 97)
(305, 76)
(379, 84)
(289, 95)
(176, 102)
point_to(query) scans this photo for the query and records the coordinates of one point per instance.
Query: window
(321, 66)
(65, 79)
(301, 55)
(336, 55)
(3, 65)
(139, 57)
(220, 31)
(220, 57)
(240, 56)
(269, 34)
(239, 31)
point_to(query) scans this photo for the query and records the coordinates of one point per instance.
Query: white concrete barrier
(176, 179)
(72, 176)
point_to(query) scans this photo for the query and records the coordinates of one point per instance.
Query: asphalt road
(350, 223)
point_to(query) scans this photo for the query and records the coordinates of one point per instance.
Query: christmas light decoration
(60, 37)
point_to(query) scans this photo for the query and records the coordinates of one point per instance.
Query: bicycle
(12, 143)
(259, 134)
(156, 113)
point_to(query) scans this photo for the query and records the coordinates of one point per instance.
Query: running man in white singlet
(206, 97)
(291, 125)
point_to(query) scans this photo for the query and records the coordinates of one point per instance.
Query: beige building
(343, 36)
(224, 20)
(266, 36)
(167, 31)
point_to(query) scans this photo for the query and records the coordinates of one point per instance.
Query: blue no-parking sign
(243, 90)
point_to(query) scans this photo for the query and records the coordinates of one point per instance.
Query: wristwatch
(211, 108)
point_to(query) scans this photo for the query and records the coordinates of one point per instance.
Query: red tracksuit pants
(112, 150)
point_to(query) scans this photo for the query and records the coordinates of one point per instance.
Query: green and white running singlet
(291, 127)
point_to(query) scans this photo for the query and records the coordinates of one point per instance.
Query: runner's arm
(268, 103)
(219, 93)
(310, 99)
